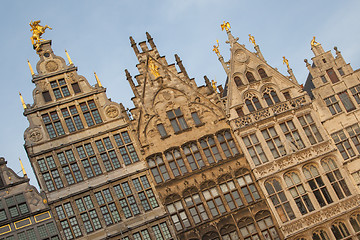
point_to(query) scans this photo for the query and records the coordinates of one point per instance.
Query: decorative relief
(71, 77)
(51, 66)
(261, 114)
(112, 112)
(35, 135)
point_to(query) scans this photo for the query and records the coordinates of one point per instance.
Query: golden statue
(153, 68)
(252, 40)
(216, 48)
(313, 42)
(37, 30)
(225, 25)
(285, 61)
(213, 83)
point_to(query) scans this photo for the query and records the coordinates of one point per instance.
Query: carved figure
(153, 68)
(313, 42)
(225, 25)
(285, 61)
(37, 30)
(252, 40)
(213, 83)
(216, 48)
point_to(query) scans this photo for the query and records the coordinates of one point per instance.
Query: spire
(133, 45)
(97, 80)
(289, 70)
(226, 26)
(68, 57)
(132, 85)
(256, 47)
(22, 101)
(150, 40)
(22, 168)
(181, 66)
(31, 69)
(221, 59)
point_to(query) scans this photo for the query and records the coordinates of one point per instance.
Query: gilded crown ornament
(37, 30)
(225, 25)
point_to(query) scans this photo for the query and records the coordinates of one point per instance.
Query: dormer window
(262, 73)
(250, 77)
(59, 88)
(177, 120)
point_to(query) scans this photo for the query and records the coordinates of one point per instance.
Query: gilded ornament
(252, 40)
(313, 42)
(37, 30)
(225, 25)
(216, 48)
(285, 61)
(153, 68)
(213, 84)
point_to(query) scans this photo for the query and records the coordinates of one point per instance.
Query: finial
(31, 69)
(285, 61)
(133, 45)
(68, 57)
(225, 25)
(37, 30)
(313, 42)
(22, 101)
(22, 167)
(216, 48)
(150, 40)
(213, 83)
(97, 80)
(252, 40)
(128, 76)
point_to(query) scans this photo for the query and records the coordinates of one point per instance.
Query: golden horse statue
(37, 30)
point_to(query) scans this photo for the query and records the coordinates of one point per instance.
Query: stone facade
(285, 136)
(24, 212)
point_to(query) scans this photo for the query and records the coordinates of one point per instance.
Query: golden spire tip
(22, 101)
(31, 69)
(22, 168)
(97, 80)
(68, 57)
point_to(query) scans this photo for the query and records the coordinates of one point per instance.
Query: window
(339, 230)
(341, 71)
(310, 129)
(126, 148)
(335, 178)
(317, 185)
(228, 232)
(89, 160)
(196, 119)
(177, 120)
(273, 141)
(238, 81)
(298, 192)
(320, 235)
(59, 88)
(231, 194)
(158, 168)
(355, 91)
(250, 77)
(343, 145)
(143, 235)
(177, 212)
(127, 200)
(193, 156)
(53, 124)
(16, 205)
(266, 225)
(248, 229)
(88, 214)
(356, 176)
(213, 199)
(76, 88)
(71, 116)
(50, 173)
(333, 105)
(252, 104)
(70, 167)
(270, 96)
(161, 231)
(107, 154)
(90, 112)
(46, 96)
(47, 230)
(212, 235)
(3, 216)
(323, 79)
(227, 143)
(247, 185)
(195, 205)
(332, 75)
(145, 193)
(162, 130)
(279, 200)
(107, 205)
(239, 112)
(210, 149)
(287, 95)
(292, 135)
(262, 73)
(355, 223)
(68, 221)
(176, 162)
(344, 97)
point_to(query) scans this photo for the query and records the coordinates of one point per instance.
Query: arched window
(298, 192)
(231, 194)
(253, 104)
(250, 77)
(177, 212)
(336, 179)
(317, 185)
(211, 236)
(227, 143)
(176, 162)
(320, 235)
(210, 149)
(195, 205)
(355, 223)
(246, 183)
(262, 73)
(270, 96)
(266, 225)
(248, 229)
(158, 169)
(339, 230)
(213, 199)
(238, 81)
(193, 156)
(229, 232)
(279, 200)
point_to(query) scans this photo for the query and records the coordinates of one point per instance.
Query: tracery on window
(320, 235)
(248, 229)
(177, 212)
(195, 205)
(355, 223)
(212, 197)
(227, 143)
(230, 192)
(340, 230)
(212, 235)
(266, 225)
(158, 168)
(228, 232)
(270, 96)
(247, 185)
(176, 162)
(252, 102)
(193, 156)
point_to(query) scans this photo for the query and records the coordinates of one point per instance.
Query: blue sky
(96, 35)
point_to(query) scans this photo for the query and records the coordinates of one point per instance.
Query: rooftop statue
(225, 25)
(37, 30)
(313, 42)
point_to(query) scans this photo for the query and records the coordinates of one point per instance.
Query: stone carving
(51, 66)
(35, 135)
(112, 112)
(261, 114)
(71, 77)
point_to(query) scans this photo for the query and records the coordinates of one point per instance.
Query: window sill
(200, 125)
(164, 137)
(184, 130)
